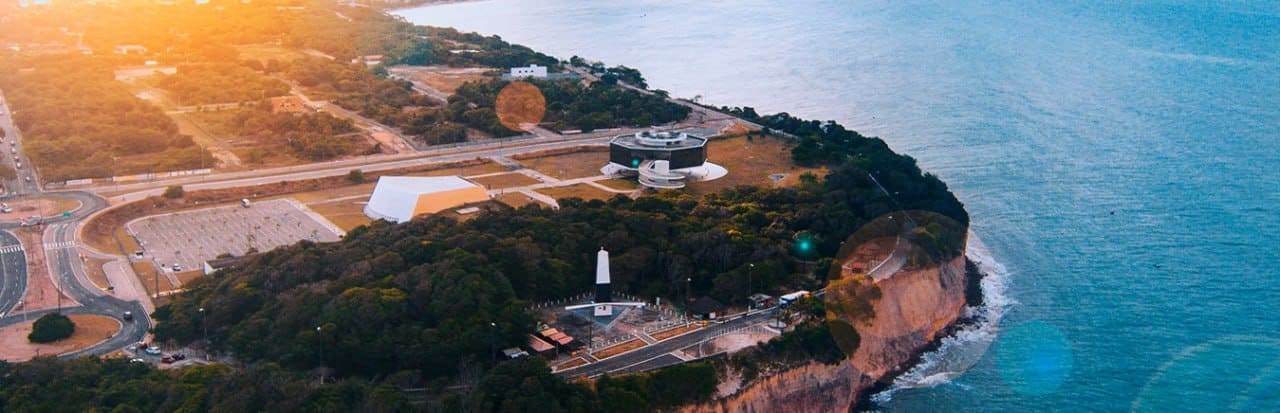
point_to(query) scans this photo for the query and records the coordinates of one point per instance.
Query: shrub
(51, 327)
(356, 176)
(173, 192)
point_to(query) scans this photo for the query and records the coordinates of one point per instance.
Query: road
(13, 272)
(27, 180)
(69, 274)
(338, 168)
(623, 361)
(64, 263)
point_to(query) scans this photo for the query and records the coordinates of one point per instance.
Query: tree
(173, 192)
(356, 176)
(51, 327)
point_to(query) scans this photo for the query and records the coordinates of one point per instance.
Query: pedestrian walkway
(9, 249)
(59, 245)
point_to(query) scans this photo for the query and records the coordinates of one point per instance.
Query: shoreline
(975, 297)
(973, 277)
(434, 3)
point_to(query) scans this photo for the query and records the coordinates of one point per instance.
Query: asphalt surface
(654, 353)
(11, 155)
(13, 272)
(65, 263)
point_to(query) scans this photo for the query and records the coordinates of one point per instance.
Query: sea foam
(963, 349)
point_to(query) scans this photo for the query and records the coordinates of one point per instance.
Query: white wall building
(531, 71)
(400, 198)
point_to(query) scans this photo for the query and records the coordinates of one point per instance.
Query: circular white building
(662, 160)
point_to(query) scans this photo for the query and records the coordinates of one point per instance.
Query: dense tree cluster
(220, 83)
(420, 296)
(314, 136)
(471, 49)
(570, 105)
(628, 75)
(79, 122)
(51, 327)
(115, 385)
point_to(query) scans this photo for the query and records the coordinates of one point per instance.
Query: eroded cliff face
(915, 307)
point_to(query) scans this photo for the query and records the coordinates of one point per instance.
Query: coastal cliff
(916, 308)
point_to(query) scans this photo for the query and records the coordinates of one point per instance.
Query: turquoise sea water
(1121, 161)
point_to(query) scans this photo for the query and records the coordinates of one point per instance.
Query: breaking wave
(963, 349)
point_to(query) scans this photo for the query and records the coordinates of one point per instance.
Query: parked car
(155, 351)
(137, 361)
(166, 360)
(177, 267)
(179, 356)
(128, 316)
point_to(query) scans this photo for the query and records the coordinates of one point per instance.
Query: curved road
(69, 274)
(13, 272)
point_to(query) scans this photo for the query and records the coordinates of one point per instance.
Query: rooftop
(659, 140)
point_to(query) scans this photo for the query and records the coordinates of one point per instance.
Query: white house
(531, 71)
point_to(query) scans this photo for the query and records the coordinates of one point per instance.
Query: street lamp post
(204, 323)
(320, 339)
(493, 355)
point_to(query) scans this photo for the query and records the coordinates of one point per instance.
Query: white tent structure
(400, 198)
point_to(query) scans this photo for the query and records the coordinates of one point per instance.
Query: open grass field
(470, 170)
(509, 180)
(584, 191)
(90, 329)
(579, 164)
(186, 277)
(515, 199)
(264, 52)
(448, 79)
(313, 197)
(44, 206)
(624, 184)
(672, 332)
(571, 363)
(752, 162)
(618, 349)
(93, 266)
(346, 213)
(148, 274)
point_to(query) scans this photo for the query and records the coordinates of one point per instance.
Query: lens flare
(520, 106)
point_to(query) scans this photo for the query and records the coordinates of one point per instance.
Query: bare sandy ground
(90, 330)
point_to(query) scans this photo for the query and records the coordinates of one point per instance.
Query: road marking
(60, 245)
(7, 249)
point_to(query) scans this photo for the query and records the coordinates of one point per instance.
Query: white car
(137, 361)
(153, 350)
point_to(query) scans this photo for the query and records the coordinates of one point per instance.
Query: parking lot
(191, 238)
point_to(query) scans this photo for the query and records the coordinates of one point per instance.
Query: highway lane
(236, 179)
(13, 272)
(644, 354)
(27, 181)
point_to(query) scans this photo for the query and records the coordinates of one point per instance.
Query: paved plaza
(191, 238)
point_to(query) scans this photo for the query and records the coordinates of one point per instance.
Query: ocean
(1120, 160)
